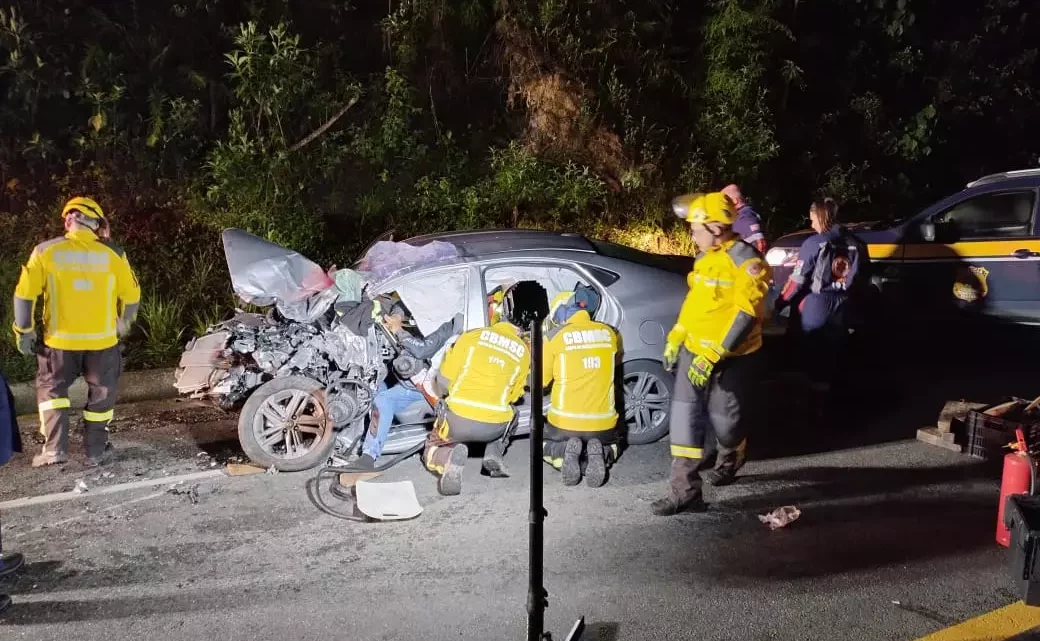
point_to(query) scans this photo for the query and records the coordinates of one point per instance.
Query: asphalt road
(895, 540)
(253, 559)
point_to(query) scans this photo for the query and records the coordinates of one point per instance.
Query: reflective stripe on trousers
(56, 371)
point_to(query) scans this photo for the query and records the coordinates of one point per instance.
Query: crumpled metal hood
(263, 273)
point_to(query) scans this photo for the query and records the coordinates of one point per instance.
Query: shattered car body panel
(302, 335)
(265, 274)
(241, 354)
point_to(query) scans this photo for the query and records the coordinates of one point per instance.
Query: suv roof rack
(1005, 175)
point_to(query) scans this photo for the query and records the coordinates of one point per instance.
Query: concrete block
(135, 386)
(933, 436)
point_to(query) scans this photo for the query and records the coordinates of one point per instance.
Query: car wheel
(284, 424)
(647, 400)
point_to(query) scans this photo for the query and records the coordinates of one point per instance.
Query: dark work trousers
(709, 421)
(554, 443)
(56, 371)
(825, 335)
(451, 429)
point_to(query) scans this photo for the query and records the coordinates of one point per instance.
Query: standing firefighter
(485, 372)
(718, 329)
(90, 299)
(580, 359)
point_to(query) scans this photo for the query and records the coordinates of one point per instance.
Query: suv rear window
(676, 264)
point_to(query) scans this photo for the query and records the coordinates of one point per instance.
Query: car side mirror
(928, 231)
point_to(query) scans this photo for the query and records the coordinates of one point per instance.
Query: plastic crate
(1022, 517)
(988, 435)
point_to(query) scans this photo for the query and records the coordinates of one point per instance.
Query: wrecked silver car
(305, 372)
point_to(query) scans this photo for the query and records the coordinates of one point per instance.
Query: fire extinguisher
(1017, 479)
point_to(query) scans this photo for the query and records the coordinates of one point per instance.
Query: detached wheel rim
(289, 424)
(646, 402)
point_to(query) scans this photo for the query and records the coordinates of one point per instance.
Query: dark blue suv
(975, 253)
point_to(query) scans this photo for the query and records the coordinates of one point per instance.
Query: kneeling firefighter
(580, 362)
(718, 330)
(484, 372)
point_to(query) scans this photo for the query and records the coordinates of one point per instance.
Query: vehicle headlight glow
(777, 256)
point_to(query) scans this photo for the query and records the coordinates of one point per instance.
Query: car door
(555, 276)
(979, 255)
(435, 295)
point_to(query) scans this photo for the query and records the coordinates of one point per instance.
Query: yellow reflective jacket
(85, 283)
(580, 358)
(724, 308)
(487, 369)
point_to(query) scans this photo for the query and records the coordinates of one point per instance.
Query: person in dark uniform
(826, 287)
(10, 443)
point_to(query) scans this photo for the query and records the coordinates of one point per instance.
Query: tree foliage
(320, 124)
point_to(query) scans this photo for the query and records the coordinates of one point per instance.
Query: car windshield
(658, 261)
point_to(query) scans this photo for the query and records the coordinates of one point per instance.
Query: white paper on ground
(387, 501)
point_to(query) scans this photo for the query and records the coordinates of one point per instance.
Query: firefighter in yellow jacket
(717, 333)
(90, 299)
(484, 373)
(580, 361)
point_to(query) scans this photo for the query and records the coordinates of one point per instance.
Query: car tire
(647, 390)
(308, 441)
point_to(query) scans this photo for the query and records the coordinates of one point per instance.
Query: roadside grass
(162, 328)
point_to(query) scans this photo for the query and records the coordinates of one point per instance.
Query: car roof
(1005, 176)
(1017, 178)
(475, 244)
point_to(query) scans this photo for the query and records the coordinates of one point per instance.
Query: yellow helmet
(715, 207)
(86, 206)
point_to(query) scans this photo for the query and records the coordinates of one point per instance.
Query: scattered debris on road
(780, 517)
(179, 489)
(81, 487)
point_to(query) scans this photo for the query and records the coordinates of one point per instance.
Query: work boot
(5, 602)
(100, 459)
(10, 564)
(450, 483)
(729, 463)
(44, 459)
(494, 460)
(571, 470)
(596, 468)
(671, 505)
(720, 477)
(684, 489)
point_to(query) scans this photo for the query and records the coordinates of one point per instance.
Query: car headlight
(777, 256)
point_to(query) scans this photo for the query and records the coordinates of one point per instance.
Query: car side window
(553, 278)
(991, 216)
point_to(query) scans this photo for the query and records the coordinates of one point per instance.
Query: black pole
(536, 595)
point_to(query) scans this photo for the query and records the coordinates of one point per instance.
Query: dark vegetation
(321, 124)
